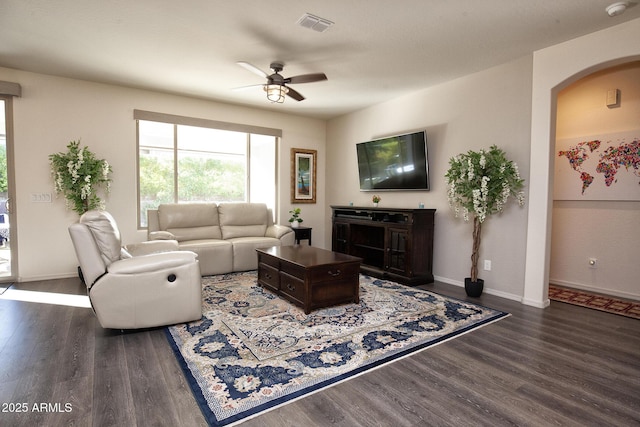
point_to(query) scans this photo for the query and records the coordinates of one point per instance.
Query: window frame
(176, 121)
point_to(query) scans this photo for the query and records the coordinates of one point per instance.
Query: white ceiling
(377, 49)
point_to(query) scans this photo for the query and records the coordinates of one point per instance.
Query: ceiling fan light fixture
(276, 93)
(617, 8)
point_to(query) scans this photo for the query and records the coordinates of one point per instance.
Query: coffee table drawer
(268, 259)
(332, 292)
(269, 276)
(293, 270)
(292, 287)
(334, 272)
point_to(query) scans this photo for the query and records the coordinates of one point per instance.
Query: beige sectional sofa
(225, 236)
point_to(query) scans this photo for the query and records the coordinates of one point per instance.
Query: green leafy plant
(479, 184)
(78, 175)
(376, 199)
(295, 215)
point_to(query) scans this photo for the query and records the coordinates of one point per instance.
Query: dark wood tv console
(393, 243)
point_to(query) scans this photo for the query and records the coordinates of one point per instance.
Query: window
(195, 160)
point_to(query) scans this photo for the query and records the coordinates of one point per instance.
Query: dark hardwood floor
(565, 366)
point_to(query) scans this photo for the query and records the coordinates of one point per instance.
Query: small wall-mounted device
(613, 98)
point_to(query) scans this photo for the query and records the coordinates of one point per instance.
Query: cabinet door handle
(334, 273)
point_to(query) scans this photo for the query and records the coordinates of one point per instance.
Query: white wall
(554, 68)
(606, 230)
(498, 106)
(473, 112)
(53, 111)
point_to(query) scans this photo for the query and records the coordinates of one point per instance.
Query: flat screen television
(394, 163)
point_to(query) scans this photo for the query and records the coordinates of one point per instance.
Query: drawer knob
(334, 273)
(267, 275)
(291, 287)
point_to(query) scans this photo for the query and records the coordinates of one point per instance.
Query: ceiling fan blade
(295, 94)
(252, 68)
(306, 78)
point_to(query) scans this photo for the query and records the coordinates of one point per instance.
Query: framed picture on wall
(303, 175)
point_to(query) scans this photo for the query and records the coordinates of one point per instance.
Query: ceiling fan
(276, 85)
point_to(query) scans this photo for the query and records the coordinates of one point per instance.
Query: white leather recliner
(139, 286)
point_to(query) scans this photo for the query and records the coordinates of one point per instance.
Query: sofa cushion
(105, 232)
(243, 219)
(190, 221)
(244, 251)
(215, 256)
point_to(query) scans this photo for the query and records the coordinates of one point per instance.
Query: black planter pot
(473, 289)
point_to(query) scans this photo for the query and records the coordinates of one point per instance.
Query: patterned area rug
(599, 302)
(253, 351)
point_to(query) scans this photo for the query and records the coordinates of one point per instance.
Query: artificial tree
(479, 184)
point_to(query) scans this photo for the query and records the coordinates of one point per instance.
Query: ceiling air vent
(314, 23)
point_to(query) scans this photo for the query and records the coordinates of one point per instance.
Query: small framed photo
(303, 175)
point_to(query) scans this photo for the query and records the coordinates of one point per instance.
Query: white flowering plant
(78, 175)
(479, 184)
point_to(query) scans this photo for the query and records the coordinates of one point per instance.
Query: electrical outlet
(487, 265)
(593, 263)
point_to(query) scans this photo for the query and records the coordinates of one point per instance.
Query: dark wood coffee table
(310, 277)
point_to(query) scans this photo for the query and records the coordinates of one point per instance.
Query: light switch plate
(40, 197)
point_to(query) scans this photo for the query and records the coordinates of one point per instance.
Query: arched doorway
(596, 219)
(554, 68)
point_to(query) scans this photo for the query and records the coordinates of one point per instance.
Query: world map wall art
(605, 167)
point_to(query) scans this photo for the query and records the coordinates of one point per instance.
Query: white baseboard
(500, 294)
(21, 279)
(449, 281)
(544, 304)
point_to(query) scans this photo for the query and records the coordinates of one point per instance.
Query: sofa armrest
(161, 235)
(151, 263)
(152, 247)
(277, 231)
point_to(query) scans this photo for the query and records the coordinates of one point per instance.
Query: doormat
(606, 303)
